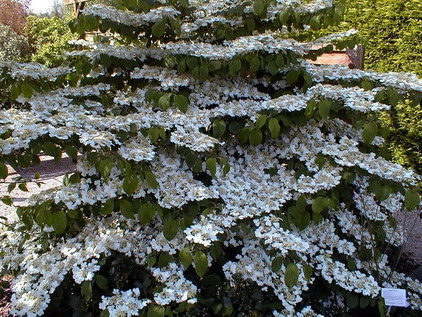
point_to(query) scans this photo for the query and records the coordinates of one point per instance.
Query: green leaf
(11, 187)
(101, 281)
(254, 64)
(274, 127)
(170, 228)
(108, 207)
(201, 263)
(23, 187)
(324, 108)
(104, 167)
(86, 290)
(218, 128)
(319, 204)
(126, 208)
(176, 26)
(234, 67)
(156, 311)
(212, 165)
(59, 221)
(352, 301)
(182, 102)
(284, 16)
(255, 137)
(7, 200)
(260, 122)
(15, 91)
(164, 259)
(165, 101)
(411, 199)
(185, 257)
(151, 179)
(276, 264)
(105, 313)
(315, 22)
(27, 90)
(307, 270)
(130, 184)
(203, 72)
(50, 148)
(369, 133)
(364, 302)
(159, 28)
(292, 76)
(146, 212)
(71, 151)
(3, 171)
(291, 275)
(258, 7)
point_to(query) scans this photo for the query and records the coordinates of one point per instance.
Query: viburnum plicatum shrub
(219, 172)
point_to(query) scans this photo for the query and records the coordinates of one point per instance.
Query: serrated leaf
(146, 212)
(274, 127)
(284, 16)
(182, 102)
(324, 108)
(411, 199)
(201, 263)
(130, 184)
(27, 90)
(11, 187)
(86, 290)
(156, 311)
(260, 122)
(108, 207)
(185, 257)
(307, 270)
(71, 151)
(50, 148)
(164, 101)
(258, 7)
(151, 180)
(255, 137)
(59, 221)
(23, 187)
(218, 128)
(212, 165)
(126, 208)
(105, 313)
(369, 133)
(101, 281)
(319, 204)
(276, 264)
(291, 275)
(3, 171)
(292, 76)
(159, 28)
(7, 201)
(352, 301)
(170, 228)
(15, 91)
(254, 64)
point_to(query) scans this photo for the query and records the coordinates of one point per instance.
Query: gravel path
(51, 176)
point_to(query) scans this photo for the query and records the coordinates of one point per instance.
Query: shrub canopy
(219, 172)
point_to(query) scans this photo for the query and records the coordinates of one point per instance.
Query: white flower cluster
(34, 70)
(129, 18)
(124, 303)
(178, 289)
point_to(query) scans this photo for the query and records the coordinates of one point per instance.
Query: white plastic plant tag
(394, 297)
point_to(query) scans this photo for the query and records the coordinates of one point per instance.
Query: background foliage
(49, 37)
(394, 43)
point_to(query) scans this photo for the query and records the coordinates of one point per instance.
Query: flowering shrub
(219, 172)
